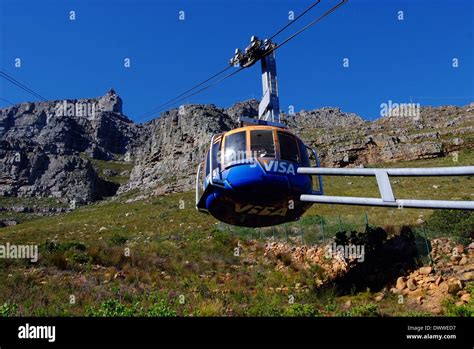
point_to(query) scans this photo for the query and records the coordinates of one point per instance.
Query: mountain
(46, 147)
(52, 149)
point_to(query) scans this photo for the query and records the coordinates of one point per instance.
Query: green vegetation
(465, 310)
(151, 258)
(459, 224)
(114, 308)
(113, 171)
(8, 310)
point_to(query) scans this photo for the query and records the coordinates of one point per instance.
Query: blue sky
(388, 59)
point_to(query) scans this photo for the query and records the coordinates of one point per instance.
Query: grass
(459, 188)
(152, 258)
(119, 169)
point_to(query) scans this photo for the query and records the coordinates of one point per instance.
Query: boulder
(411, 284)
(425, 270)
(401, 283)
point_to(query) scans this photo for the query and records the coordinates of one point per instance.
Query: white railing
(387, 198)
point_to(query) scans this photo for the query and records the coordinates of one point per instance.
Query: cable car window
(303, 154)
(261, 144)
(207, 163)
(288, 147)
(216, 147)
(235, 148)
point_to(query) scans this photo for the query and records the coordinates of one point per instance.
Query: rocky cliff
(346, 140)
(49, 148)
(46, 147)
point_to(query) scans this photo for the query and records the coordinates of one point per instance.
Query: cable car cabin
(250, 177)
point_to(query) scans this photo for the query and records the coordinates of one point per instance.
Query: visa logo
(260, 210)
(279, 166)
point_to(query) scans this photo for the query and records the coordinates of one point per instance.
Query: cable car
(250, 176)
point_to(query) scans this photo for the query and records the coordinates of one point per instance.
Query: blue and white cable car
(251, 177)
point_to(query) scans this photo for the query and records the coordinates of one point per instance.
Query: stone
(411, 284)
(466, 297)
(454, 285)
(467, 276)
(463, 260)
(416, 293)
(438, 280)
(395, 290)
(443, 286)
(430, 279)
(455, 259)
(425, 270)
(401, 284)
(379, 297)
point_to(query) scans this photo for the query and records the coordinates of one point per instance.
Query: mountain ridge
(49, 149)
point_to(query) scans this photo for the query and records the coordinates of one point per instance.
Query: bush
(53, 246)
(118, 240)
(161, 309)
(456, 223)
(465, 310)
(368, 309)
(113, 308)
(300, 310)
(8, 310)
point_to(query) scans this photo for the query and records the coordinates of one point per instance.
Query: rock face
(345, 139)
(46, 148)
(176, 143)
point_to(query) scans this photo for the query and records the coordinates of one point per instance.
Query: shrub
(456, 223)
(366, 310)
(118, 240)
(465, 310)
(114, 308)
(58, 259)
(8, 310)
(161, 309)
(53, 246)
(300, 310)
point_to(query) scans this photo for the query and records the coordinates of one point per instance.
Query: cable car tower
(263, 51)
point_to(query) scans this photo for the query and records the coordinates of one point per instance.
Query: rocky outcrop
(347, 140)
(46, 147)
(175, 145)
